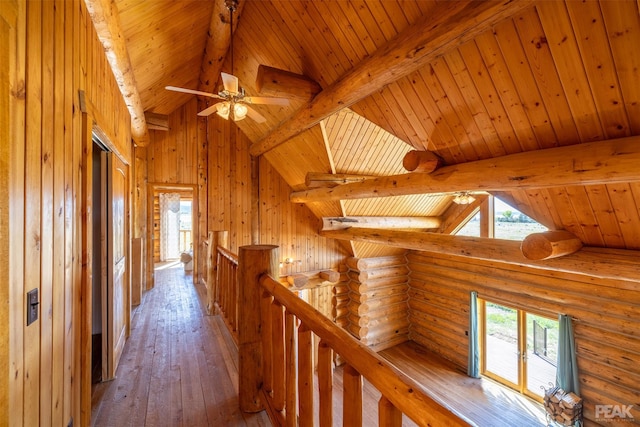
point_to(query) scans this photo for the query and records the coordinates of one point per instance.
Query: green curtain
(567, 373)
(473, 365)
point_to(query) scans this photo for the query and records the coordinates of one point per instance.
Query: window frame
(521, 316)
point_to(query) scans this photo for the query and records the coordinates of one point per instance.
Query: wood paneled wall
(179, 156)
(11, 24)
(291, 226)
(57, 54)
(173, 155)
(605, 312)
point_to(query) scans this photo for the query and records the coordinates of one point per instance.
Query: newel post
(216, 238)
(253, 261)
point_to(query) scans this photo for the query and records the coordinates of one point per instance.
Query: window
(519, 349)
(471, 228)
(508, 223)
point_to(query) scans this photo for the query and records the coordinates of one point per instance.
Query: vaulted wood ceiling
(556, 73)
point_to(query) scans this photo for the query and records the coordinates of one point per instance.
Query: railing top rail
(228, 254)
(408, 396)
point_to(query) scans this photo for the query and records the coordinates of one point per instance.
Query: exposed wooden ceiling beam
(282, 83)
(217, 44)
(422, 222)
(318, 179)
(550, 244)
(157, 121)
(104, 15)
(603, 162)
(421, 161)
(447, 26)
(594, 262)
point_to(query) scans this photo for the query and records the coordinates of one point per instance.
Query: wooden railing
(185, 241)
(276, 359)
(226, 289)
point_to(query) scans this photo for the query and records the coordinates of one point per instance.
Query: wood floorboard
(179, 366)
(480, 400)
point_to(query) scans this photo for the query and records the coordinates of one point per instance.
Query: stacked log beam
(377, 310)
(340, 299)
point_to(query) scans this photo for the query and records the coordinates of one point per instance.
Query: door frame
(153, 189)
(91, 119)
(521, 316)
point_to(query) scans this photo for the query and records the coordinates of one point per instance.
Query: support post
(216, 238)
(253, 261)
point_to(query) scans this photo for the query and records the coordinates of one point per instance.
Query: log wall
(54, 54)
(377, 311)
(606, 325)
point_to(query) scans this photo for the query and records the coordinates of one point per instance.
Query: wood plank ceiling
(558, 73)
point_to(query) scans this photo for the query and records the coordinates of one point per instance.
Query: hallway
(179, 366)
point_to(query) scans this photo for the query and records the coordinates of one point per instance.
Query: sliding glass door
(518, 348)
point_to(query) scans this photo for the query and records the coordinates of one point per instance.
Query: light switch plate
(32, 306)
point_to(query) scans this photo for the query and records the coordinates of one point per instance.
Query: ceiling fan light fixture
(239, 111)
(223, 110)
(463, 198)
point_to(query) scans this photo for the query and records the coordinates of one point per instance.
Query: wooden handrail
(228, 255)
(404, 393)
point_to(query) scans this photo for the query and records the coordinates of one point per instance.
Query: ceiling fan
(234, 104)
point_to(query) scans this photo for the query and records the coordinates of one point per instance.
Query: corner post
(253, 261)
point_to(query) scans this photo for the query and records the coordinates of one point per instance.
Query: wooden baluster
(225, 293)
(218, 279)
(227, 289)
(325, 384)
(267, 349)
(223, 286)
(290, 336)
(277, 330)
(219, 239)
(234, 298)
(253, 261)
(305, 375)
(210, 265)
(388, 414)
(352, 397)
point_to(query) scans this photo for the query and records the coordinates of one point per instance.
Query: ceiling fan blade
(254, 115)
(210, 110)
(192, 92)
(266, 100)
(230, 83)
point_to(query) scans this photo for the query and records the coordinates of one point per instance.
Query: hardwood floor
(482, 401)
(179, 366)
